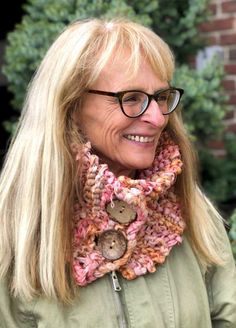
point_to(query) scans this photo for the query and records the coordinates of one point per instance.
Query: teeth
(139, 138)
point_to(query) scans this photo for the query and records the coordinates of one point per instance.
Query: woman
(102, 220)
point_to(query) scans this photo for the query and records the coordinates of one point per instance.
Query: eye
(163, 97)
(132, 98)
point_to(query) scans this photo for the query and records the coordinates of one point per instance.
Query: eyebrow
(142, 89)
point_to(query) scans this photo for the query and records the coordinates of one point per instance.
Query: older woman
(102, 221)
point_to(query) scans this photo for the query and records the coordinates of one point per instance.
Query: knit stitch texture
(158, 225)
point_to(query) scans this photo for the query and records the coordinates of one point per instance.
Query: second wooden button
(112, 244)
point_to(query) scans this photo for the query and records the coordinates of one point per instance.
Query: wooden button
(121, 211)
(112, 244)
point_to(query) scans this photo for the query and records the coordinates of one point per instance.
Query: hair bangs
(113, 38)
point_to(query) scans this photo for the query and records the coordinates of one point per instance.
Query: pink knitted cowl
(149, 237)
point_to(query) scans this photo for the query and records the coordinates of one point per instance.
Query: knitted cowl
(158, 224)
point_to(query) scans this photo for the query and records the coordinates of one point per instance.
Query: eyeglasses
(134, 103)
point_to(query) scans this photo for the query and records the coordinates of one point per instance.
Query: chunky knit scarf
(144, 240)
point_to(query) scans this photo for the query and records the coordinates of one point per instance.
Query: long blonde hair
(37, 186)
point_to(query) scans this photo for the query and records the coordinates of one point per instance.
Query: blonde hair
(37, 186)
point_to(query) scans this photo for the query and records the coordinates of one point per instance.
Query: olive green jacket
(178, 295)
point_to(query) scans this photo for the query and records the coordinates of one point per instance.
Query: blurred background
(9, 16)
(202, 34)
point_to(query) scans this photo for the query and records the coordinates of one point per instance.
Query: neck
(115, 168)
(125, 172)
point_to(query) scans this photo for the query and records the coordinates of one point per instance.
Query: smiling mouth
(142, 139)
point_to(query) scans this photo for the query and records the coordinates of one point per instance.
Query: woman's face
(110, 131)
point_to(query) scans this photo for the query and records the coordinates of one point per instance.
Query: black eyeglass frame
(119, 95)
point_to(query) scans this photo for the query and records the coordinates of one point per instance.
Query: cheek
(87, 119)
(101, 130)
(103, 134)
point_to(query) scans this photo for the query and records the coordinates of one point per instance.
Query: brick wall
(220, 30)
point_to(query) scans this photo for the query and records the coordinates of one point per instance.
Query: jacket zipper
(117, 288)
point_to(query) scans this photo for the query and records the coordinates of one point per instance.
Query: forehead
(121, 73)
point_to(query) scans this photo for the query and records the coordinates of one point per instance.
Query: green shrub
(176, 21)
(232, 232)
(218, 175)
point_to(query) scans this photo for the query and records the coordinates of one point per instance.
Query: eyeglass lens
(135, 102)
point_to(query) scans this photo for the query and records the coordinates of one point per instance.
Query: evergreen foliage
(176, 21)
(232, 233)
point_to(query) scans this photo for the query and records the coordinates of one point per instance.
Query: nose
(153, 115)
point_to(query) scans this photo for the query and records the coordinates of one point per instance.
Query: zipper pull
(115, 281)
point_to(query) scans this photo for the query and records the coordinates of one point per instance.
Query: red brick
(192, 61)
(230, 68)
(216, 144)
(206, 27)
(229, 6)
(228, 39)
(232, 54)
(232, 99)
(229, 115)
(231, 128)
(229, 85)
(217, 25)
